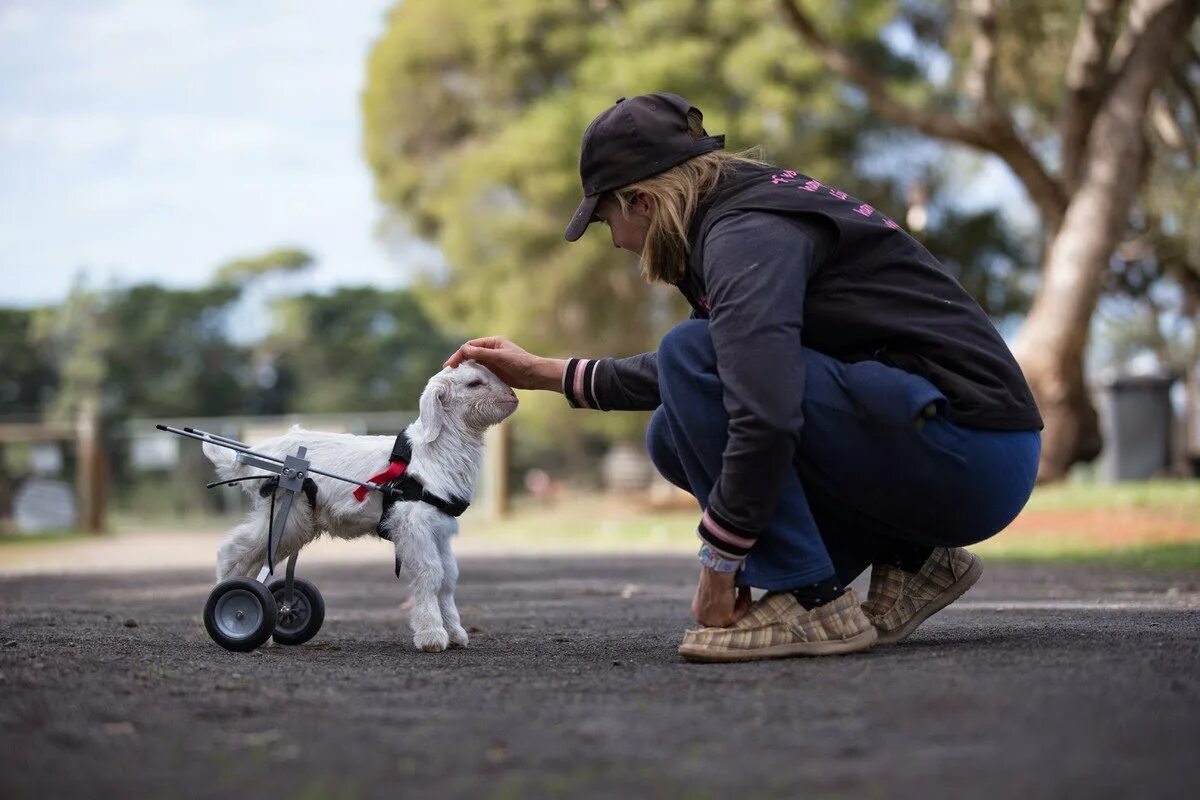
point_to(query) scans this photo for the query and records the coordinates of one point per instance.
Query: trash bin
(1135, 418)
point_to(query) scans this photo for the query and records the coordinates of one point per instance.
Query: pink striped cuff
(723, 537)
(579, 383)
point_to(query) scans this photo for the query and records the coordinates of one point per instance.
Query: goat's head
(468, 396)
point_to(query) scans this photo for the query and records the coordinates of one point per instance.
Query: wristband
(711, 559)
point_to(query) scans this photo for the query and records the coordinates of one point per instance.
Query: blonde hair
(676, 194)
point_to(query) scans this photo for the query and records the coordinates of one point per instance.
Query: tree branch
(1170, 132)
(981, 77)
(993, 132)
(1188, 91)
(1087, 81)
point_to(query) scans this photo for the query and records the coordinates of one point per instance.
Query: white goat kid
(457, 406)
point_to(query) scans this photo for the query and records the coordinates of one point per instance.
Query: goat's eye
(475, 384)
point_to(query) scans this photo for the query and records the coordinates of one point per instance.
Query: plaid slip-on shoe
(899, 601)
(777, 626)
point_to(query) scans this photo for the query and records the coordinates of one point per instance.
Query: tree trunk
(1054, 337)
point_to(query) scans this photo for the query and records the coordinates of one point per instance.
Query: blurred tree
(28, 378)
(242, 271)
(357, 349)
(1060, 91)
(78, 335)
(473, 113)
(171, 355)
(144, 351)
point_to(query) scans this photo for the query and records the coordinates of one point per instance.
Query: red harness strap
(397, 463)
(394, 470)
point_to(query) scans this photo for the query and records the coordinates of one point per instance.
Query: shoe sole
(948, 596)
(854, 644)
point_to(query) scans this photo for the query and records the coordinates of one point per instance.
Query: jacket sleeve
(613, 384)
(756, 269)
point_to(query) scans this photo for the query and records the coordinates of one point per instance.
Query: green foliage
(28, 378)
(241, 271)
(148, 351)
(473, 114)
(358, 349)
(79, 337)
(170, 355)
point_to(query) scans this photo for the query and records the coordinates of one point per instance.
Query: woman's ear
(434, 410)
(643, 203)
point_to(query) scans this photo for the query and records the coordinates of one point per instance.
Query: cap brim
(582, 218)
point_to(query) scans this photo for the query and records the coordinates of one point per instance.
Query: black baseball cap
(632, 140)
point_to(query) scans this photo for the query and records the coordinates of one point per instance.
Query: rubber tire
(262, 631)
(316, 605)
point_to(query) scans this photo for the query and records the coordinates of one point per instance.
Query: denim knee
(685, 349)
(658, 440)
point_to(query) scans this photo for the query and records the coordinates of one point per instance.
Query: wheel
(300, 621)
(240, 614)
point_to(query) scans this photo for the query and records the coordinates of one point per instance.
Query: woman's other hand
(719, 602)
(511, 364)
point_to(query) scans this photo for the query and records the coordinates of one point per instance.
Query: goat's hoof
(458, 636)
(432, 641)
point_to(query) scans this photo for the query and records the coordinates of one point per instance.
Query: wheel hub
(292, 616)
(238, 613)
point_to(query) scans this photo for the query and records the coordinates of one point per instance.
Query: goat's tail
(223, 459)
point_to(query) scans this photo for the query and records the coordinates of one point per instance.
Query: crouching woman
(836, 402)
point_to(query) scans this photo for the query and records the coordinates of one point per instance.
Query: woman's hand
(513, 365)
(719, 602)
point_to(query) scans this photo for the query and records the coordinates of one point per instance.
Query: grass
(1172, 556)
(1179, 496)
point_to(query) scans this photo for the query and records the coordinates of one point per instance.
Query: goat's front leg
(458, 634)
(418, 552)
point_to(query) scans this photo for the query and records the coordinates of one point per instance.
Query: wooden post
(90, 467)
(497, 443)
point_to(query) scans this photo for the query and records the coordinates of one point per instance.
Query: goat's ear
(435, 402)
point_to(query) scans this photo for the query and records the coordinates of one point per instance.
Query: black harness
(408, 488)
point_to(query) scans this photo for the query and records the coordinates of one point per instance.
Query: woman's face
(628, 230)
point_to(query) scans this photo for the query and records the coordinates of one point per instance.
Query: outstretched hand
(511, 363)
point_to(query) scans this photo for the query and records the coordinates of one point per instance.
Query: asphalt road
(1041, 682)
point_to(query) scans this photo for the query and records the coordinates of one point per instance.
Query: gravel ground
(1042, 682)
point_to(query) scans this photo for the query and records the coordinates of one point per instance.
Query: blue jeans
(872, 473)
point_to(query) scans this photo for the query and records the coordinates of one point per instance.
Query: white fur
(447, 448)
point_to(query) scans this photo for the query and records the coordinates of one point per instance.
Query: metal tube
(290, 578)
(192, 434)
(217, 436)
(207, 438)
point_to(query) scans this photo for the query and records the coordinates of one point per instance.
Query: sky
(153, 140)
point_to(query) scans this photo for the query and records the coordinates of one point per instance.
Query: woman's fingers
(487, 343)
(742, 604)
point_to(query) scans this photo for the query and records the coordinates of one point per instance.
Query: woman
(836, 401)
